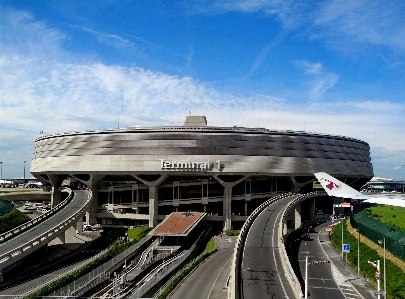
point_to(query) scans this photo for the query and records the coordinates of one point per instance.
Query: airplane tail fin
(334, 187)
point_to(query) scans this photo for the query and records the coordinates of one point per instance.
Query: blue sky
(335, 67)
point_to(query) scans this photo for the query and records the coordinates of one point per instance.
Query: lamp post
(24, 171)
(385, 276)
(1, 172)
(358, 251)
(342, 236)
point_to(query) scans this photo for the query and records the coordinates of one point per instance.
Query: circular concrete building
(143, 174)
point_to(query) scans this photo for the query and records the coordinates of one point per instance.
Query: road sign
(346, 247)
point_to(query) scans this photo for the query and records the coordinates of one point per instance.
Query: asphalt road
(262, 273)
(209, 279)
(324, 280)
(79, 200)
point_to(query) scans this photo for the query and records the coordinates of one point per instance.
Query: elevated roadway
(262, 274)
(32, 238)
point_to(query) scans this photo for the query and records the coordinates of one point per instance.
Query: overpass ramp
(24, 243)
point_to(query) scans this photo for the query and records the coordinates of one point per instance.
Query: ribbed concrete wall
(239, 150)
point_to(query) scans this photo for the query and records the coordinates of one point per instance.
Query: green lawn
(390, 215)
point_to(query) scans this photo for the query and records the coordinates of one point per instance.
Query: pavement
(345, 275)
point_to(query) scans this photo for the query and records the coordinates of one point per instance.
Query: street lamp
(24, 171)
(1, 172)
(358, 251)
(385, 276)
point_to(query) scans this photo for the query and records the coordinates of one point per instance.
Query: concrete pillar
(227, 207)
(246, 208)
(56, 181)
(297, 216)
(92, 208)
(153, 197)
(62, 237)
(153, 205)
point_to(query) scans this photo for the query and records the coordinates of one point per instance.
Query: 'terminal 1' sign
(187, 165)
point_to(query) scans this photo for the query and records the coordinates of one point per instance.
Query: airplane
(334, 187)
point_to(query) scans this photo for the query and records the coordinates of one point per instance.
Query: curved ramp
(32, 239)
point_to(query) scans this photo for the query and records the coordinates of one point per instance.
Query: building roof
(179, 224)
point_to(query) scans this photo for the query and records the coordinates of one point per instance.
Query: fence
(80, 285)
(167, 269)
(375, 230)
(5, 206)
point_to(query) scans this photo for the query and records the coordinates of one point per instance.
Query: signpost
(346, 249)
(377, 277)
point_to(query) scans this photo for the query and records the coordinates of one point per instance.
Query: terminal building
(140, 175)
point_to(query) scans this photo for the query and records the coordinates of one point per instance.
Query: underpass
(33, 238)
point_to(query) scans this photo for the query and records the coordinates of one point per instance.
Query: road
(79, 200)
(262, 273)
(327, 280)
(209, 280)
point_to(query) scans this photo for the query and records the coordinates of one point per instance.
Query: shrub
(12, 220)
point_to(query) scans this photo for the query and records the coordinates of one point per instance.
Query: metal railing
(19, 229)
(44, 238)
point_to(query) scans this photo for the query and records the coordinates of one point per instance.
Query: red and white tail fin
(334, 187)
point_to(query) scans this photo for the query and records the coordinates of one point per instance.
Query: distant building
(381, 185)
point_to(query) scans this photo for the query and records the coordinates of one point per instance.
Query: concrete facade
(146, 173)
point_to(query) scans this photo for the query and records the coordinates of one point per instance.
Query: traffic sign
(346, 247)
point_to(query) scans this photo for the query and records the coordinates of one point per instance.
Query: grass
(369, 251)
(115, 250)
(390, 215)
(232, 232)
(210, 248)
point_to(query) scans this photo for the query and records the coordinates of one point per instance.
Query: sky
(333, 67)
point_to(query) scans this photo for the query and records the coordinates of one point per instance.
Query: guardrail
(6, 257)
(23, 227)
(289, 271)
(234, 288)
(83, 283)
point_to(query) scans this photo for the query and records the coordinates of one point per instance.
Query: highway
(49, 227)
(209, 280)
(262, 274)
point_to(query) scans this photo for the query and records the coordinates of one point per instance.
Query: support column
(227, 201)
(56, 181)
(297, 216)
(153, 205)
(153, 197)
(227, 207)
(135, 198)
(92, 207)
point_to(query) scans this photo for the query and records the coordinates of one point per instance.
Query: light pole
(385, 276)
(1, 172)
(24, 171)
(342, 236)
(358, 251)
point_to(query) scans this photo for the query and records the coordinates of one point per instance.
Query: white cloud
(62, 94)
